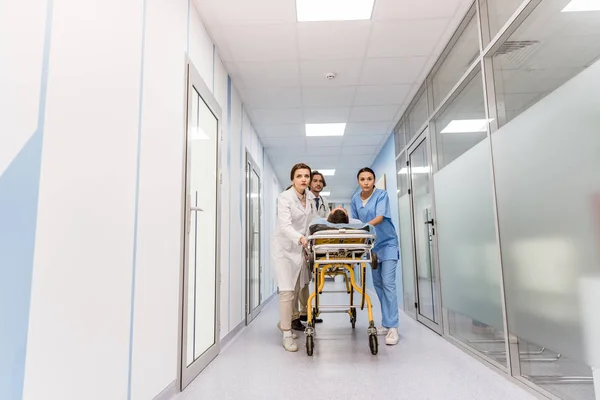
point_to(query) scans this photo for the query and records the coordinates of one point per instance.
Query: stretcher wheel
(310, 345)
(353, 317)
(373, 345)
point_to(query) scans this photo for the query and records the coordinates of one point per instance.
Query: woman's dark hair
(297, 167)
(289, 187)
(315, 173)
(365, 169)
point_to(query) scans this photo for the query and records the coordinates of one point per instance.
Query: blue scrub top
(386, 244)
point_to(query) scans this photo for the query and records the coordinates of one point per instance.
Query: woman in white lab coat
(295, 210)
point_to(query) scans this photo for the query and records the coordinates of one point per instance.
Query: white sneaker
(392, 337)
(289, 344)
(293, 333)
(381, 331)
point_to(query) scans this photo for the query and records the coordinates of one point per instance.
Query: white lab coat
(293, 221)
(324, 208)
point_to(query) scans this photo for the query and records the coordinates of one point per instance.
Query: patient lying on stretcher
(338, 218)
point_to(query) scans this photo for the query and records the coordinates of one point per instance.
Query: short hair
(338, 216)
(314, 173)
(297, 167)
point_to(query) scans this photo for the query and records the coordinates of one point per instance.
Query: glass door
(253, 245)
(200, 318)
(427, 285)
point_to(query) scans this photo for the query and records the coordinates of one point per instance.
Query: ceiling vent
(513, 54)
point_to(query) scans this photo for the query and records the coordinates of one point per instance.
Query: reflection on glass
(254, 219)
(462, 124)
(547, 50)
(417, 116)
(201, 241)
(458, 61)
(419, 174)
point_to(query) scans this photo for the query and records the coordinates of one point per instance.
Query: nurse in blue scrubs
(372, 206)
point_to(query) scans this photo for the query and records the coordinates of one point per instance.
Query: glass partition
(462, 124)
(462, 55)
(406, 249)
(417, 116)
(497, 12)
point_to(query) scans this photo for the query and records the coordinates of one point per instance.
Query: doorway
(200, 279)
(427, 282)
(254, 278)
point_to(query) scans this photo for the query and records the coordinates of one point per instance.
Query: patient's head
(338, 216)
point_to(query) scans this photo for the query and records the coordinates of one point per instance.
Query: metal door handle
(430, 222)
(196, 209)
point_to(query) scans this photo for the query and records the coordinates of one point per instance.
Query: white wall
(104, 259)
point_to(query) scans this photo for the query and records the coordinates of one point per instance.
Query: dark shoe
(297, 325)
(304, 318)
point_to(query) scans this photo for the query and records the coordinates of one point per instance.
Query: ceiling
(279, 65)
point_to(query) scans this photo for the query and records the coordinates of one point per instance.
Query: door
(253, 245)
(427, 285)
(200, 283)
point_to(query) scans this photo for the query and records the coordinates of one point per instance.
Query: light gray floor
(422, 366)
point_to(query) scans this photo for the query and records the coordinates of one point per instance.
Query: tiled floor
(422, 366)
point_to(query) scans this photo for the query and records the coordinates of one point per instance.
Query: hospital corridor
(299, 199)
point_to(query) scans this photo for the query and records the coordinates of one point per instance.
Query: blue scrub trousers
(384, 281)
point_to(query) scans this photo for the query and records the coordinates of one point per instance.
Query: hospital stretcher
(334, 251)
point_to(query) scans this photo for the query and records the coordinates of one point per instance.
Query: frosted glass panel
(468, 250)
(406, 253)
(547, 163)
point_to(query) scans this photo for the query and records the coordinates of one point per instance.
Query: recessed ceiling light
(325, 194)
(334, 10)
(582, 5)
(466, 126)
(326, 172)
(325, 129)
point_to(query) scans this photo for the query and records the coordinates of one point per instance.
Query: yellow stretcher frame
(336, 252)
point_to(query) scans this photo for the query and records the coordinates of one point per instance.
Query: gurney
(336, 249)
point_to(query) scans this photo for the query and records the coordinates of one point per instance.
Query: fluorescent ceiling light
(334, 10)
(582, 5)
(466, 126)
(326, 172)
(325, 194)
(325, 129)
(415, 170)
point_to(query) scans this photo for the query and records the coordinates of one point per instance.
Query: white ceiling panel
(411, 9)
(269, 75)
(272, 97)
(358, 150)
(366, 128)
(362, 140)
(392, 71)
(342, 96)
(322, 115)
(281, 130)
(381, 95)
(256, 12)
(313, 72)
(296, 142)
(398, 39)
(333, 40)
(373, 113)
(324, 150)
(267, 116)
(264, 43)
(324, 141)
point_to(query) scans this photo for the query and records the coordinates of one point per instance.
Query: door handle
(430, 222)
(196, 209)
